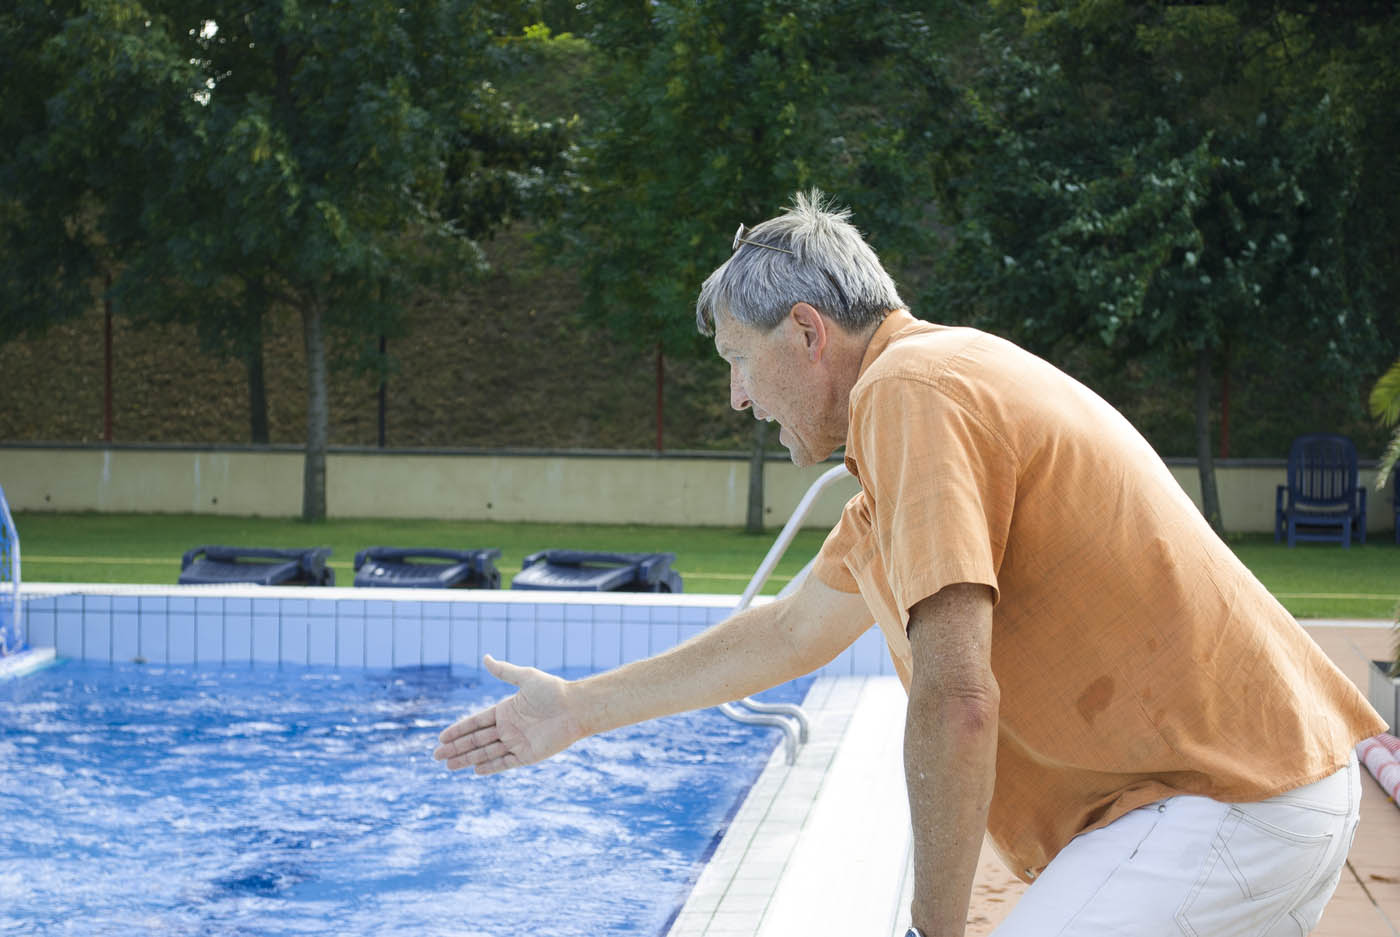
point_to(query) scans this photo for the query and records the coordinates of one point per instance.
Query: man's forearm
(742, 655)
(730, 660)
(950, 768)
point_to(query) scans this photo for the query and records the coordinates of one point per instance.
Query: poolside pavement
(823, 846)
(1367, 902)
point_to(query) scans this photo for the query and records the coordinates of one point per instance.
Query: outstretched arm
(751, 651)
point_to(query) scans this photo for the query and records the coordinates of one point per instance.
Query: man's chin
(801, 455)
(802, 458)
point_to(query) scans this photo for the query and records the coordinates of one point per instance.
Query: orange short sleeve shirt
(1137, 657)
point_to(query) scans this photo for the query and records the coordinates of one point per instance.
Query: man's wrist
(589, 706)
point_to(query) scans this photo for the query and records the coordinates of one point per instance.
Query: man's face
(774, 374)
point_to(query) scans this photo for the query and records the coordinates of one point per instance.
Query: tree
(76, 168)
(715, 114)
(1385, 406)
(330, 161)
(1141, 175)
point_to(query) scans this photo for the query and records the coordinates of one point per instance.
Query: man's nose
(738, 398)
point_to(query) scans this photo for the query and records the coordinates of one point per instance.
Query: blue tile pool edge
(343, 627)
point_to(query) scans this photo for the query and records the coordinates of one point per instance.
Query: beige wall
(549, 488)
(640, 489)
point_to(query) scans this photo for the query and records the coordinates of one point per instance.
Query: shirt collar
(894, 323)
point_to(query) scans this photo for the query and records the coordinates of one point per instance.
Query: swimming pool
(180, 799)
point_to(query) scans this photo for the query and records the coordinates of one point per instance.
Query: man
(1094, 680)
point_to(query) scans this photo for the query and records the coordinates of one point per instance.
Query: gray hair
(810, 253)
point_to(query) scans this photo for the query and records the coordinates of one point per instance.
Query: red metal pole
(383, 391)
(107, 363)
(1225, 408)
(660, 378)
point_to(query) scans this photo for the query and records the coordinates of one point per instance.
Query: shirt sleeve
(939, 481)
(850, 530)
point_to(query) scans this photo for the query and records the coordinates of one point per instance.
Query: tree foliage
(715, 114)
(223, 159)
(1166, 179)
(1176, 183)
(84, 88)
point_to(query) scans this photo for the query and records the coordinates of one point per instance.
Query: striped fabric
(1381, 756)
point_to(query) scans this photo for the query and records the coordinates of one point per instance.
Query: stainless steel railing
(786, 716)
(11, 605)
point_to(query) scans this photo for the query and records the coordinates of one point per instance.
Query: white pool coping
(26, 662)
(821, 846)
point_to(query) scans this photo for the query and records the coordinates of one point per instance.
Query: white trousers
(1195, 867)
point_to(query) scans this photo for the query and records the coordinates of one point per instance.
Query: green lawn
(146, 548)
(1318, 580)
(1312, 580)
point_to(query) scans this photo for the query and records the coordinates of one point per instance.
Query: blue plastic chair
(1395, 500)
(1323, 500)
(444, 569)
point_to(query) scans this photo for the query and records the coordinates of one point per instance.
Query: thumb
(504, 670)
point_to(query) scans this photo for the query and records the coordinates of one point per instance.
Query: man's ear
(812, 326)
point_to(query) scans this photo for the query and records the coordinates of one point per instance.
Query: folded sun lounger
(427, 568)
(212, 565)
(582, 571)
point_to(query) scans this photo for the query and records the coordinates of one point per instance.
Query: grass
(1311, 580)
(1318, 580)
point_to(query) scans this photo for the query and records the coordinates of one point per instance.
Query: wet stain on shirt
(1095, 699)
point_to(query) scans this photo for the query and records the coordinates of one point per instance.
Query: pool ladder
(786, 716)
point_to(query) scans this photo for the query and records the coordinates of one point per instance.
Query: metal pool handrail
(786, 716)
(11, 624)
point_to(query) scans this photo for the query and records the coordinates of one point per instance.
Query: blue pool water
(304, 801)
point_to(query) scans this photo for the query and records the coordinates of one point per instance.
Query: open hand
(528, 727)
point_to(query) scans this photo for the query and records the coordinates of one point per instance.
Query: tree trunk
(754, 522)
(1205, 462)
(313, 490)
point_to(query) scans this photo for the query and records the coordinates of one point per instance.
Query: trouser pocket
(1257, 869)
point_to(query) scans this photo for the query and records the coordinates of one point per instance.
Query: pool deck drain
(823, 846)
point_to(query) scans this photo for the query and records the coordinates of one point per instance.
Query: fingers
(490, 758)
(504, 670)
(484, 754)
(457, 745)
(475, 740)
(497, 765)
(501, 670)
(468, 725)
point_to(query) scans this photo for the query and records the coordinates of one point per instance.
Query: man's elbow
(969, 706)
